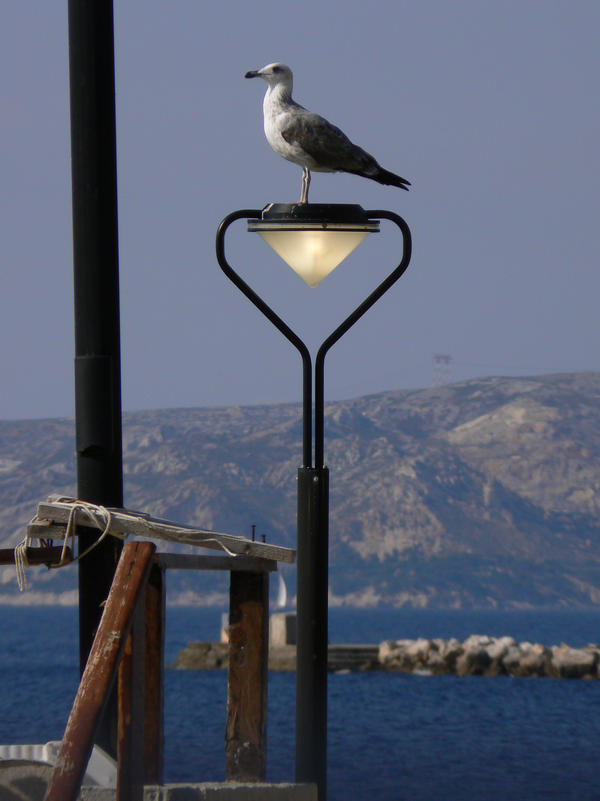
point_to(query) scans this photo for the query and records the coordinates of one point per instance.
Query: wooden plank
(181, 561)
(36, 556)
(46, 530)
(100, 671)
(93, 589)
(169, 561)
(246, 726)
(154, 677)
(131, 723)
(125, 521)
(263, 552)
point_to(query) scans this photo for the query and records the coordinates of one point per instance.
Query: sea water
(391, 736)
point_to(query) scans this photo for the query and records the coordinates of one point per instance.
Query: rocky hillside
(481, 493)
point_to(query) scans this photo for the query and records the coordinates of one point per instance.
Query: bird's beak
(252, 74)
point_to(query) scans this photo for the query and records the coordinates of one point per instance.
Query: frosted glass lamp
(313, 238)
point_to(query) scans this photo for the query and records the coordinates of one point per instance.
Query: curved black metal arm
(349, 322)
(295, 340)
(274, 318)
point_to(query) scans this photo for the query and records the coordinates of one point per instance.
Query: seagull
(308, 139)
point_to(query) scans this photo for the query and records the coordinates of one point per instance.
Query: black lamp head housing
(314, 216)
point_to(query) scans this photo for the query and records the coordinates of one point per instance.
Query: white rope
(184, 536)
(94, 513)
(101, 518)
(224, 547)
(22, 563)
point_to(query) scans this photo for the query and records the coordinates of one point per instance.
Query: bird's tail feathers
(390, 179)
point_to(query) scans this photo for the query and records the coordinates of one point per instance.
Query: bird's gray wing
(326, 143)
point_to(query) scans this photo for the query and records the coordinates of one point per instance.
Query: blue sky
(489, 109)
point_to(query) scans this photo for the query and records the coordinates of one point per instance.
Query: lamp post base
(312, 593)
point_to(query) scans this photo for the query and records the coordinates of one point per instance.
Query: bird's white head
(276, 74)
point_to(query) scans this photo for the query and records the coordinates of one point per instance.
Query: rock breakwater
(478, 655)
(481, 655)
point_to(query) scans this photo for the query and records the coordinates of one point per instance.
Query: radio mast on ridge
(441, 369)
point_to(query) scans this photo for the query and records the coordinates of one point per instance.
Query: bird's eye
(276, 69)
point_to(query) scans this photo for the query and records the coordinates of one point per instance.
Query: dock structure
(128, 651)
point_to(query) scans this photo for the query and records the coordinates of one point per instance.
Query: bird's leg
(305, 185)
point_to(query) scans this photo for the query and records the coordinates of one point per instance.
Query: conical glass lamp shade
(313, 254)
(313, 239)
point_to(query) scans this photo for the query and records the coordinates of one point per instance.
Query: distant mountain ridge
(481, 493)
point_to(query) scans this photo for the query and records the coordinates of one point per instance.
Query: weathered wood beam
(124, 521)
(154, 677)
(131, 723)
(101, 669)
(36, 556)
(182, 561)
(246, 726)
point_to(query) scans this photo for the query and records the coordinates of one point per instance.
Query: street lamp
(313, 239)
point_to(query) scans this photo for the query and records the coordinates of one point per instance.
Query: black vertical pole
(312, 619)
(96, 289)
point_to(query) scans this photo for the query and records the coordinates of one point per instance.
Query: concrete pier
(213, 791)
(214, 655)
(28, 780)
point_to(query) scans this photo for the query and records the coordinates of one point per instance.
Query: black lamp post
(313, 239)
(96, 293)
